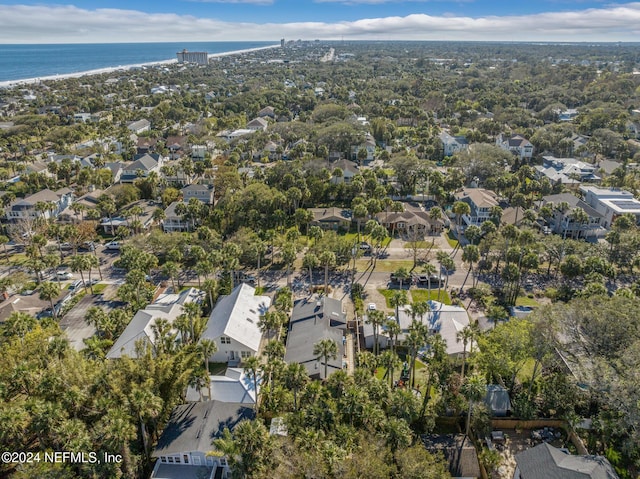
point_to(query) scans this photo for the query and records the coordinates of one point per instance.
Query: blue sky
(75, 21)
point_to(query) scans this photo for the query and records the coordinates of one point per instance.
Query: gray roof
(145, 163)
(458, 450)
(192, 427)
(573, 201)
(311, 321)
(197, 187)
(234, 387)
(547, 462)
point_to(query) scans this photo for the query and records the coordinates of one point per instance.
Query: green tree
(324, 350)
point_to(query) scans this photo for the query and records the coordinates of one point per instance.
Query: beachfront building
(611, 203)
(185, 56)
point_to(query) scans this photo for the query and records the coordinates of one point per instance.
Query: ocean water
(19, 62)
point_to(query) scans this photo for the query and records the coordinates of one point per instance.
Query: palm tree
(474, 389)
(295, 379)
(310, 261)
(171, 269)
(48, 292)
(325, 349)
(460, 208)
(466, 336)
(78, 264)
(399, 298)
(470, 254)
(389, 360)
(376, 319)
(207, 347)
(327, 259)
(415, 340)
(252, 370)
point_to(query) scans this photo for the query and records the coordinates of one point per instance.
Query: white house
(233, 324)
(203, 193)
(139, 126)
(369, 145)
(480, 202)
(516, 144)
(232, 387)
(257, 124)
(141, 329)
(28, 208)
(452, 144)
(611, 203)
(181, 452)
(442, 319)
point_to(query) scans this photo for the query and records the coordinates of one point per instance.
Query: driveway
(74, 324)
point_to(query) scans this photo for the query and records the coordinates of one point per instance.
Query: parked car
(75, 285)
(365, 246)
(372, 306)
(64, 275)
(87, 246)
(113, 245)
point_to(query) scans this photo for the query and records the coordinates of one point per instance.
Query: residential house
(413, 221)
(442, 319)
(28, 207)
(268, 112)
(140, 332)
(312, 320)
(89, 201)
(230, 135)
(234, 386)
(141, 167)
(566, 171)
(331, 218)
(611, 203)
(562, 222)
(480, 202)
(176, 146)
(349, 170)
(182, 449)
(116, 170)
(369, 145)
(458, 450)
(139, 126)
(203, 193)
(569, 114)
(233, 324)
(81, 117)
(173, 221)
(257, 124)
(452, 144)
(146, 145)
(545, 461)
(269, 150)
(198, 152)
(516, 144)
(579, 146)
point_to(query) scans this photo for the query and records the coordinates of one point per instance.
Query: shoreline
(99, 71)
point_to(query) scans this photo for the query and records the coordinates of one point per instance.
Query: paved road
(74, 324)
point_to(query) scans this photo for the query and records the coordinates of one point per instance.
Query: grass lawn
(18, 259)
(388, 294)
(384, 265)
(99, 288)
(430, 295)
(260, 290)
(353, 238)
(526, 301)
(451, 239)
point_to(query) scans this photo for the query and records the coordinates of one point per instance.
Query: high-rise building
(201, 58)
(282, 43)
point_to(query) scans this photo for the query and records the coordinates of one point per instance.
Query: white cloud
(251, 2)
(70, 24)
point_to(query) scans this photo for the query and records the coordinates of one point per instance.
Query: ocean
(19, 62)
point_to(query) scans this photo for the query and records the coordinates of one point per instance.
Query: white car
(112, 245)
(372, 306)
(64, 275)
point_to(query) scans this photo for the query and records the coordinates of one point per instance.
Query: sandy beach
(31, 81)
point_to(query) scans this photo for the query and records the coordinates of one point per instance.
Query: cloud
(251, 2)
(71, 24)
(382, 2)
